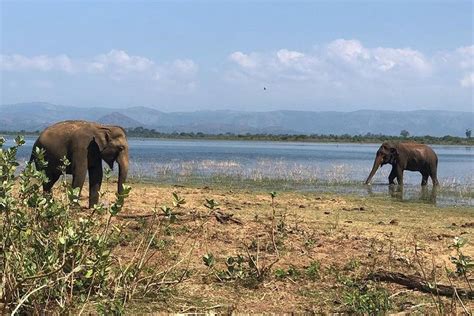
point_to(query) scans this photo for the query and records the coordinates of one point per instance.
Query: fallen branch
(224, 218)
(126, 216)
(418, 283)
(220, 216)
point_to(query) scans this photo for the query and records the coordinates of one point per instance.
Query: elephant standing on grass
(85, 145)
(406, 156)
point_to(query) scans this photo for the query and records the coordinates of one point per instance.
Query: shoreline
(309, 139)
(443, 197)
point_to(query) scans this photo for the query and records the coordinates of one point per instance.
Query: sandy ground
(345, 237)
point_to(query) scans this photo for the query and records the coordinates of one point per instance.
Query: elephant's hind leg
(424, 179)
(434, 175)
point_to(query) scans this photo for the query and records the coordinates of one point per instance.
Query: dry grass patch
(318, 250)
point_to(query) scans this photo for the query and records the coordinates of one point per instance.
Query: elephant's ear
(102, 138)
(394, 151)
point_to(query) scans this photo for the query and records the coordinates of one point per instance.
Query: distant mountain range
(38, 115)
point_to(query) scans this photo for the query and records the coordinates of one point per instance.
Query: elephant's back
(63, 130)
(68, 126)
(56, 139)
(418, 147)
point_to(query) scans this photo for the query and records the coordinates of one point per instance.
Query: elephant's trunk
(377, 163)
(122, 161)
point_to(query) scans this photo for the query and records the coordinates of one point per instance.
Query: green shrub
(366, 299)
(53, 258)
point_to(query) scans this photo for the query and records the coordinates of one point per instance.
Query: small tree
(468, 133)
(404, 133)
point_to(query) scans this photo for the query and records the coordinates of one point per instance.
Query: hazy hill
(116, 118)
(35, 116)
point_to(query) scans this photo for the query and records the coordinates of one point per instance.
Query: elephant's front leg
(95, 181)
(392, 175)
(400, 175)
(52, 178)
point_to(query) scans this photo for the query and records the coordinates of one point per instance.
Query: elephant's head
(387, 154)
(113, 146)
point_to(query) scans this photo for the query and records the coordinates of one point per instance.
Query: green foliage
(209, 260)
(168, 212)
(280, 273)
(313, 271)
(211, 204)
(404, 133)
(366, 299)
(367, 138)
(352, 265)
(236, 268)
(462, 262)
(177, 200)
(245, 268)
(319, 138)
(51, 258)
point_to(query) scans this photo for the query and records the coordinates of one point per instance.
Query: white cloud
(186, 67)
(340, 62)
(468, 80)
(369, 60)
(348, 50)
(119, 61)
(287, 57)
(18, 62)
(243, 60)
(283, 64)
(387, 59)
(347, 72)
(116, 64)
(466, 56)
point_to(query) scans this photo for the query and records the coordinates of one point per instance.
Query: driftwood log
(417, 283)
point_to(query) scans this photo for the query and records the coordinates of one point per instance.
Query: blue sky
(183, 55)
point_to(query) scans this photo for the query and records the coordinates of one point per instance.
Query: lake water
(302, 166)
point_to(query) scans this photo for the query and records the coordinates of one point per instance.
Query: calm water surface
(315, 166)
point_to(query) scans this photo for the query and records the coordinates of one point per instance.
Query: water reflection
(425, 195)
(429, 194)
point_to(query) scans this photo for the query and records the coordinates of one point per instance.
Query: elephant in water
(406, 156)
(85, 145)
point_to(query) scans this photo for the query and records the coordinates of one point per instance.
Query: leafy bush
(366, 299)
(53, 258)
